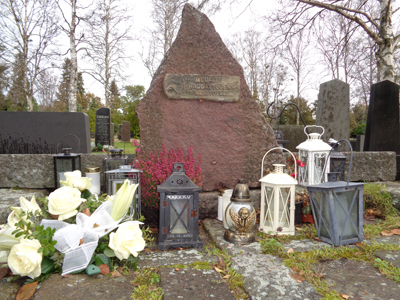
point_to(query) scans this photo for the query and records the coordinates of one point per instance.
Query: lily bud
(122, 200)
(29, 206)
(7, 239)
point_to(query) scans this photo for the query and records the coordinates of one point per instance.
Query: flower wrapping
(90, 229)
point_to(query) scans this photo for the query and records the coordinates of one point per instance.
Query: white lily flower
(7, 239)
(16, 215)
(29, 206)
(74, 179)
(122, 200)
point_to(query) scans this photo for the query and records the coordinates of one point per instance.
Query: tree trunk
(107, 59)
(29, 103)
(74, 61)
(385, 51)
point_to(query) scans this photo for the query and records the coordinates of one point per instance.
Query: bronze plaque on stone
(207, 87)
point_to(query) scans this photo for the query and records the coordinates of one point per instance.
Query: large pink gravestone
(199, 97)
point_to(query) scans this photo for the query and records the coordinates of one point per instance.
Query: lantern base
(239, 238)
(178, 244)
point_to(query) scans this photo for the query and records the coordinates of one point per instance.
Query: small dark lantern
(279, 138)
(65, 162)
(338, 210)
(179, 211)
(337, 163)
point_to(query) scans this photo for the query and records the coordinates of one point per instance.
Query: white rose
(127, 240)
(64, 201)
(74, 179)
(24, 259)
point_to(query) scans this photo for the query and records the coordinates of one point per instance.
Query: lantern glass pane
(303, 171)
(269, 206)
(319, 163)
(63, 165)
(179, 215)
(343, 208)
(284, 197)
(321, 203)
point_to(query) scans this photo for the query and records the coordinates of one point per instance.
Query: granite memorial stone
(43, 132)
(103, 127)
(198, 97)
(333, 110)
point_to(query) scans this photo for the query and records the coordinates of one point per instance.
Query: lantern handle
(351, 159)
(275, 148)
(283, 109)
(308, 134)
(79, 142)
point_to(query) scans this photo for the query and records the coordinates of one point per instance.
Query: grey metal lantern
(115, 179)
(65, 162)
(338, 210)
(114, 159)
(337, 162)
(179, 211)
(240, 216)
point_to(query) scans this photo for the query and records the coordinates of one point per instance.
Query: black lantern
(113, 160)
(65, 162)
(337, 162)
(338, 210)
(179, 211)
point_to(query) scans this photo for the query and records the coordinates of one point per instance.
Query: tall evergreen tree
(16, 98)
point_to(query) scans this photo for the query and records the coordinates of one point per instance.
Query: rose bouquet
(70, 231)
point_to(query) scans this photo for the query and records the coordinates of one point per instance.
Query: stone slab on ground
(265, 277)
(193, 284)
(174, 257)
(8, 290)
(82, 286)
(389, 256)
(10, 197)
(358, 280)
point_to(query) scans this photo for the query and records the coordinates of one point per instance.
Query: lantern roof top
(178, 181)
(335, 184)
(277, 177)
(314, 145)
(124, 169)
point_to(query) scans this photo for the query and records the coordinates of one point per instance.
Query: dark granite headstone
(43, 132)
(125, 136)
(382, 132)
(103, 127)
(199, 97)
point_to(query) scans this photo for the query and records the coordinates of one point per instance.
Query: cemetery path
(264, 276)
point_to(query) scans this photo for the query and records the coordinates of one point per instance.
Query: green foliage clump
(377, 198)
(146, 285)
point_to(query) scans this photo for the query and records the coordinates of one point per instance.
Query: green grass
(126, 146)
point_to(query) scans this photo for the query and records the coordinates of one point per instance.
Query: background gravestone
(125, 133)
(382, 132)
(333, 110)
(43, 132)
(103, 127)
(199, 97)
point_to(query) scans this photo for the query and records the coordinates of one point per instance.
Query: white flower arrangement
(77, 222)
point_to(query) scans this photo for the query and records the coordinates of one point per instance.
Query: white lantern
(277, 201)
(313, 153)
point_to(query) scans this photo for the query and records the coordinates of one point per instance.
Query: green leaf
(86, 194)
(101, 259)
(109, 252)
(47, 265)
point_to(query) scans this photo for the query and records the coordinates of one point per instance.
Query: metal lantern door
(314, 154)
(179, 211)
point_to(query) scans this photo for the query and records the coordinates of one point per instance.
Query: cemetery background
(387, 168)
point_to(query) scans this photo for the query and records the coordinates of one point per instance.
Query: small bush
(157, 167)
(376, 198)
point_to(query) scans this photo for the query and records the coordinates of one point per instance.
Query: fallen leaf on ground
(221, 263)
(386, 233)
(344, 296)
(299, 228)
(3, 272)
(226, 276)
(318, 239)
(290, 251)
(295, 269)
(301, 273)
(297, 277)
(66, 276)
(26, 291)
(176, 269)
(218, 270)
(396, 231)
(86, 211)
(115, 273)
(104, 269)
